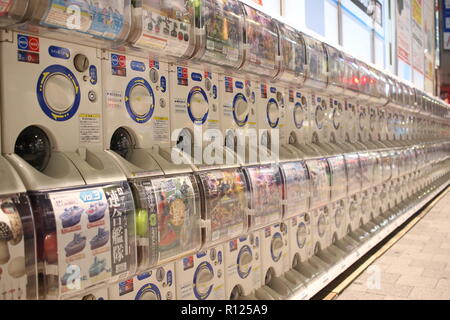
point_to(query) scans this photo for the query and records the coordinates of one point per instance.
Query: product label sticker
(118, 65)
(114, 99)
(266, 193)
(12, 261)
(29, 57)
(166, 26)
(228, 84)
(93, 75)
(90, 128)
(182, 76)
(153, 64)
(137, 66)
(163, 83)
(226, 203)
(263, 91)
(297, 187)
(68, 14)
(59, 52)
(28, 49)
(28, 43)
(161, 129)
(93, 236)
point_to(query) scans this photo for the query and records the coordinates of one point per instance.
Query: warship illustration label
(93, 236)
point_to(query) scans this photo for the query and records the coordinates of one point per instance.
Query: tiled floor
(416, 267)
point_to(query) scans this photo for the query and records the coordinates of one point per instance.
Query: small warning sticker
(161, 129)
(114, 99)
(90, 129)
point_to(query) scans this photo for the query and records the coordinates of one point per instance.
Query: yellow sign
(417, 6)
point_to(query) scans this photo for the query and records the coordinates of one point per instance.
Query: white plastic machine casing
(201, 276)
(314, 87)
(295, 212)
(260, 66)
(155, 284)
(136, 105)
(274, 251)
(243, 265)
(65, 104)
(338, 207)
(96, 294)
(294, 122)
(337, 70)
(354, 189)
(351, 92)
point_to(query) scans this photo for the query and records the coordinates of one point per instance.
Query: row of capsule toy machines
(182, 149)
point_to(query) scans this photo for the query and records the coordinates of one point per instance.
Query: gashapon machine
(263, 175)
(315, 84)
(220, 44)
(415, 141)
(351, 92)
(406, 114)
(261, 58)
(337, 72)
(364, 100)
(265, 213)
(52, 135)
(168, 29)
(388, 202)
(376, 194)
(339, 205)
(389, 136)
(168, 229)
(380, 97)
(354, 222)
(368, 163)
(137, 122)
(237, 91)
(225, 213)
(319, 175)
(18, 275)
(295, 125)
(296, 190)
(377, 111)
